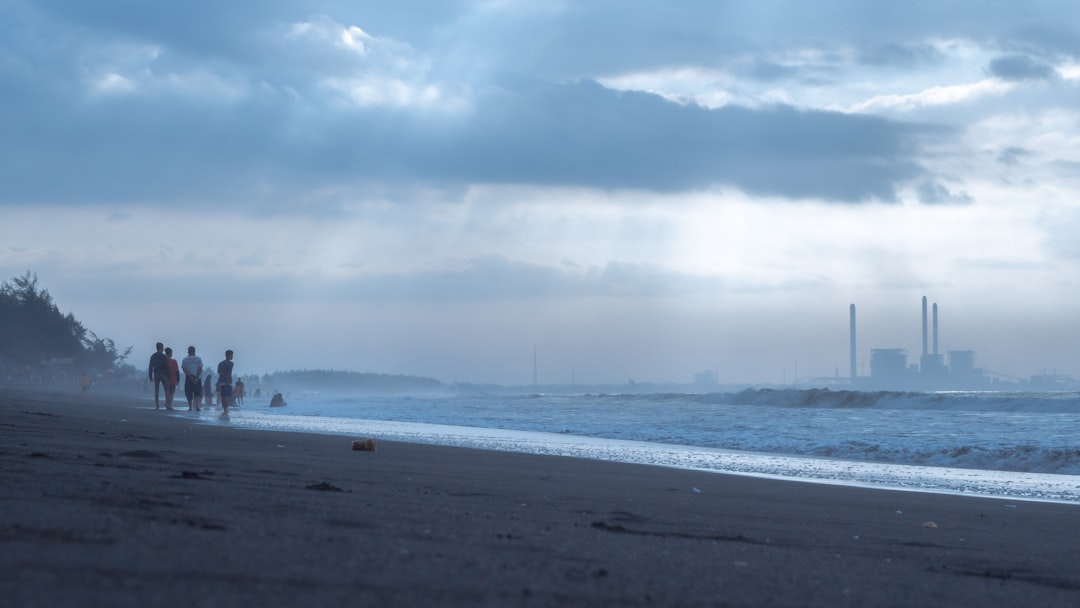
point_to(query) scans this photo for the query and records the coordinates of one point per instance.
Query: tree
(33, 330)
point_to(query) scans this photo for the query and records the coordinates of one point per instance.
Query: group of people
(165, 372)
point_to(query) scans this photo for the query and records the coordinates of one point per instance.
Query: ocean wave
(876, 467)
(1018, 458)
(1025, 432)
(845, 399)
(1001, 401)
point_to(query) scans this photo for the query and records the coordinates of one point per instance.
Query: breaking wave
(1020, 432)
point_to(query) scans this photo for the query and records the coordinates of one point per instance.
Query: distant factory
(890, 370)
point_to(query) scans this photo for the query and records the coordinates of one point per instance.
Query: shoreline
(107, 502)
(1001, 484)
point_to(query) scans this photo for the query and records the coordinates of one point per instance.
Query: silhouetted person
(174, 378)
(208, 390)
(224, 382)
(192, 366)
(238, 392)
(159, 374)
(84, 382)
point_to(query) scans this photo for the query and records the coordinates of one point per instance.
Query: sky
(589, 191)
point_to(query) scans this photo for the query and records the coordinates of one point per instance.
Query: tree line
(34, 333)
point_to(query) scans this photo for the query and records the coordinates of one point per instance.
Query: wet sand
(107, 502)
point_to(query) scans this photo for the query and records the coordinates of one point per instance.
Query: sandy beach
(107, 502)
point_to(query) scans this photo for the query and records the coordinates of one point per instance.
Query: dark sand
(114, 504)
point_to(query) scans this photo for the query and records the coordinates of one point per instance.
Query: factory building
(890, 370)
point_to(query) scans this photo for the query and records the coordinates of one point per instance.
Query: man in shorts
(192, 367)
(159, 375)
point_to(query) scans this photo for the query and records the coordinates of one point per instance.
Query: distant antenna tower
(854, 374)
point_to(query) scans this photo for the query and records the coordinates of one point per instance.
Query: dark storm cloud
(587, 135)
(285, 136)
(1021, 67)
(522, 132)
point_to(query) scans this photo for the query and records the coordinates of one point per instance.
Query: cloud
(288, 109)
(931, 193)
(1011, 155)
(1017, 68)
(351, 39)
(900, 55)
(275, 107)
(1069, 168)
(934, 96)
(584, 134)
(196, 135)
(1059, 233)
(492, 278)
(497, 278)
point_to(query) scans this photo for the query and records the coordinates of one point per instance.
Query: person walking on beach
(208, 391)
(159, 375)
(238, 391)
(174, 378)
(84, 382)
(192, 366)
(224, 382)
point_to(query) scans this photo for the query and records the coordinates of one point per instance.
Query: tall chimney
(853, 370)
(935, 329)
(924, 349)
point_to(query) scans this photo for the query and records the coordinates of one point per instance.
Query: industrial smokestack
(853, 343)
(924, 349)
(935, 329)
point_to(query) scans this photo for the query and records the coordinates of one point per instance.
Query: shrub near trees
(35, 335)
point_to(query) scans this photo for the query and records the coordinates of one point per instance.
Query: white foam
(999, 484)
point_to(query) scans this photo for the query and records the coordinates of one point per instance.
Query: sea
(1009, 445)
